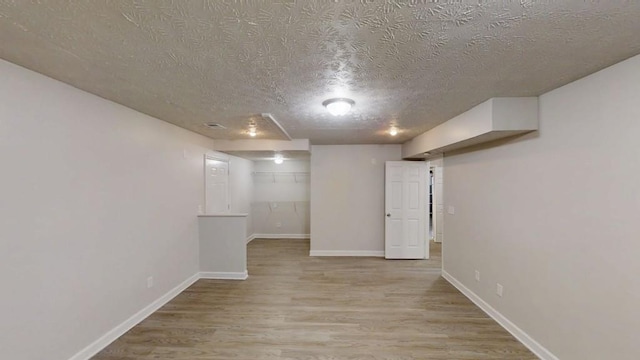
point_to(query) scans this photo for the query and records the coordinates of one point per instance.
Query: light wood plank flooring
(297, 307)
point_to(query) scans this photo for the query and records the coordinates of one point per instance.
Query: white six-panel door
(216, 186)
(406, 210)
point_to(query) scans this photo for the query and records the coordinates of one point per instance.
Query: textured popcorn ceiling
(412, 63)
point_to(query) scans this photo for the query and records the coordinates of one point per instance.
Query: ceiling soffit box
(285, 155)
(255, 149)
(493, 119)
(238, 127)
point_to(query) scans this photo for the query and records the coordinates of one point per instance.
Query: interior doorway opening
(430, 204)
(436, 198)
(435, 215)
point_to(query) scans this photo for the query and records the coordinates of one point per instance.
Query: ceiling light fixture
(338, 106)
(252, 131)
(393, 131)
(278, 159)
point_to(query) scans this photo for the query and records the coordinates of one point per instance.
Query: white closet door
(216, 186)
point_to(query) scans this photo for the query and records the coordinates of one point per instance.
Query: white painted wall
(281, 197)
(94, 198)
(347, 198)
(241, 188)
(223, 246)
(553, 216)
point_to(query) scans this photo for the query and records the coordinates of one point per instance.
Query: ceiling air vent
(214, 126)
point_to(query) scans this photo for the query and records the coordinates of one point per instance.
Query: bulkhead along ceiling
(409, 63)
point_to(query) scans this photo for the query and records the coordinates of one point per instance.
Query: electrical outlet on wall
(477, 275)
(278, 224)
(499, 289)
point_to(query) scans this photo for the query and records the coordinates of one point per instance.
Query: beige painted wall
(347, 197)
(553, 216)
(94, 198)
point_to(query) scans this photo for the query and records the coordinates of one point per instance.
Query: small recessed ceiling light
(278, 159)
(338, 106)
(252, 132)
(393, 131)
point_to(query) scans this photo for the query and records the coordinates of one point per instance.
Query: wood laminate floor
(308, 308)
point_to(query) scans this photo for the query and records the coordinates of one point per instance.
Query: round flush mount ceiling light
(338, 106)
(278, 159)
(393, 131)
(252, 131)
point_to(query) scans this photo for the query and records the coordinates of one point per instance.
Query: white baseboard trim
(251, 238)
(220, 275)
(367, 253)
(281, 236)
(134, 320)
(535, 347)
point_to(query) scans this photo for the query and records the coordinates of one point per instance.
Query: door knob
(388, 215)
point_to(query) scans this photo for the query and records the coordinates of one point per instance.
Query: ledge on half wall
(359, 253)
(218, 275)
(279, 236)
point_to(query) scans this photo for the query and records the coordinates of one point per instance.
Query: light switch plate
(451, 210)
